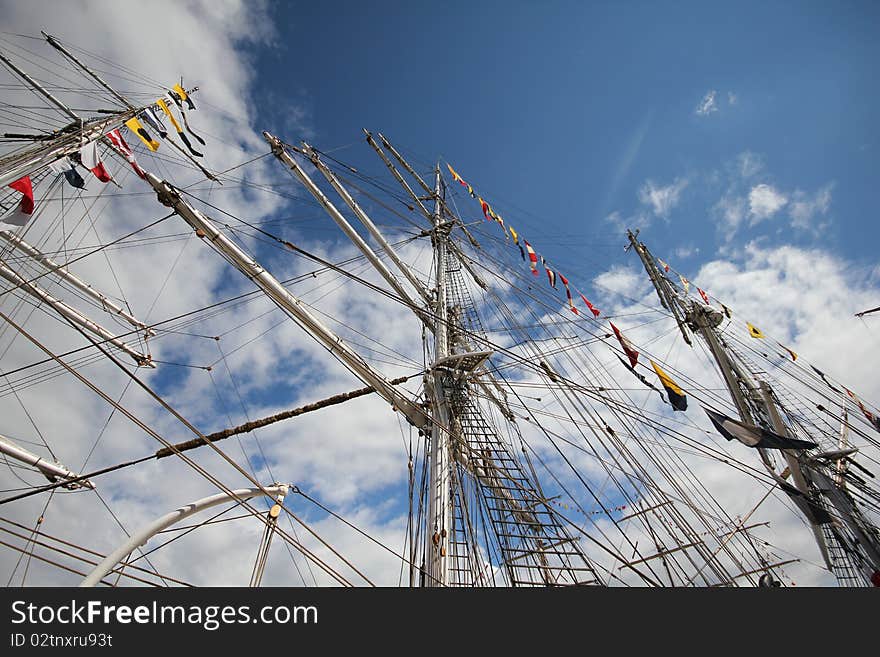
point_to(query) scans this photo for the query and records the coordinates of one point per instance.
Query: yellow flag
(754, 331)
(135, 126)
(514, 234)
(676, 395)
(455, 176)
(178, 94)
(180, 91)
(161, 103)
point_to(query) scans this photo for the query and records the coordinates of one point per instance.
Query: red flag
(595, 311)
(704, 295)
(551, 275)
(665, 266)
(486, 210)
(25, 208)
(533, 258)
(568, 294)
(631, 353)
(92, 161)
(125, 150)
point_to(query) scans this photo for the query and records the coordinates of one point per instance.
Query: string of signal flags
(89, 157)
(674, 393)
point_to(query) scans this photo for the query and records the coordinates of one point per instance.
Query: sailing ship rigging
(529, 458)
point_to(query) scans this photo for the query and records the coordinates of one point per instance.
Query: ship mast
(467, 464)
(754, 402)
(812, 491)
(439, 503)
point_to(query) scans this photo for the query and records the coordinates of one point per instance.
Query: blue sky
(564, 110)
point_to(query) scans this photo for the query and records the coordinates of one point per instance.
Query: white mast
(54, 43)
(397, 176)
(78, 283)
(439, 517)
(794, 466)
(843, 446)
(73, 315)
(270, 285)
(29, 162)
(52, 471)
(439, 494)
(351, 233)
(24, 76)
(368, 223)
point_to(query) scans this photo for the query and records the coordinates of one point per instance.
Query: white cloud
(686, 251)
(616, 220)
(662, 199)
(623, 281)
(620, 222)
(707, 104)
(803, 209)
(744, 198)
(764, 202)
(749, 164)
(731, 98)
(729, 211)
